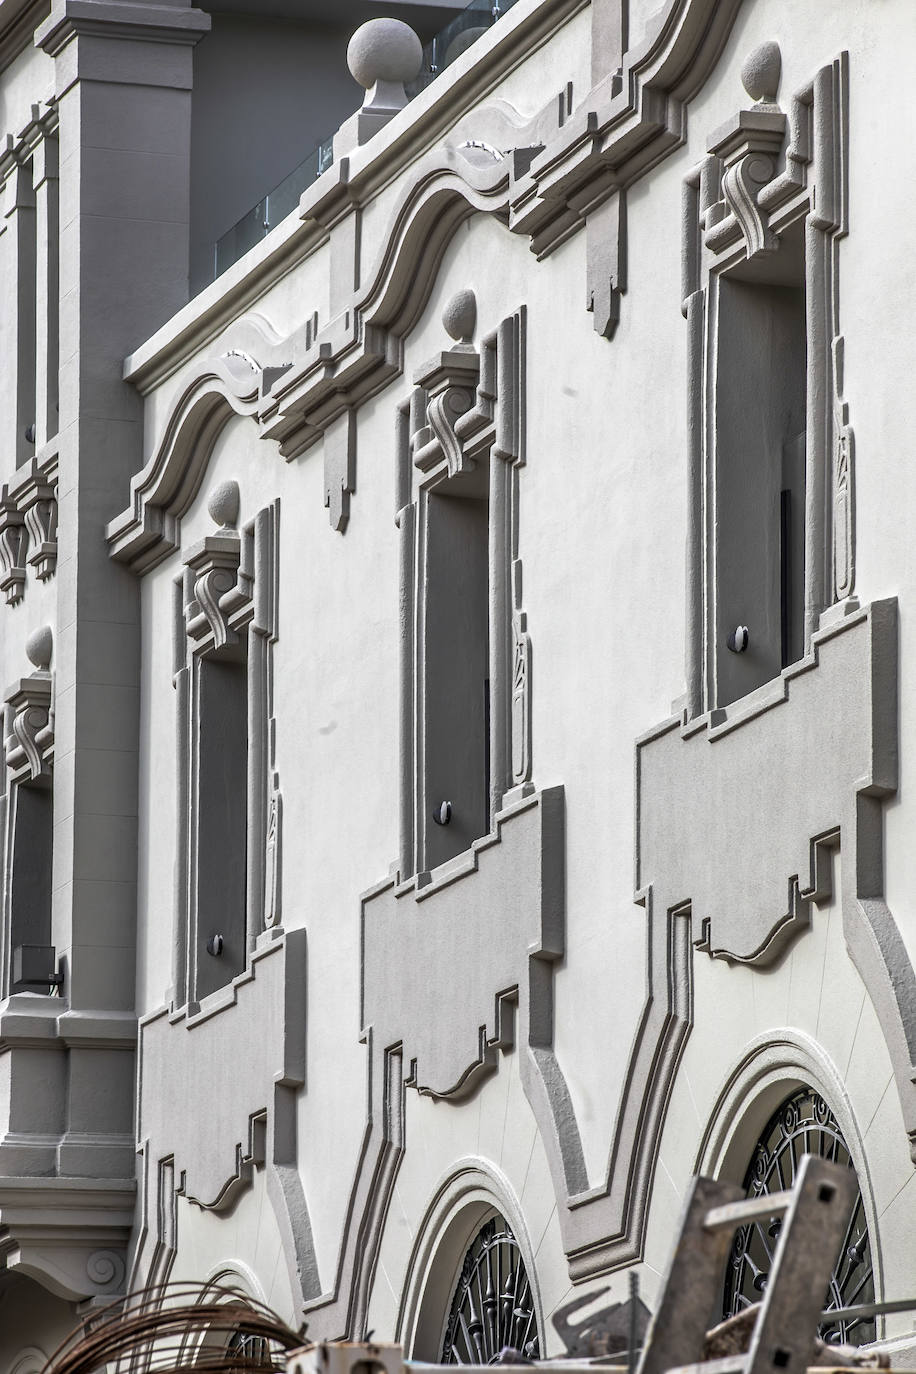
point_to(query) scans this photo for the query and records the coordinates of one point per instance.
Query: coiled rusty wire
(178, 1329)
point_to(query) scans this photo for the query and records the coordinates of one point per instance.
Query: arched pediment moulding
(471, 1190)
(545, 178)
(162, 492)
(769, 1068)
(31, 1360)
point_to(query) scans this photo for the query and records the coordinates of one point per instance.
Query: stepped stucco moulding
(254, 1124)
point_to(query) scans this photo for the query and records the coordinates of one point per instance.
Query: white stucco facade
(390, 517)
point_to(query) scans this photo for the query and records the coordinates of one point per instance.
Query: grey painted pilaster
(17, 245)
(123, 82)
(45, 183)
(123, 79)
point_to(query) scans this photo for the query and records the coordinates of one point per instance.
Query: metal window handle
(738, 639)
(442, 814)
(215, 945)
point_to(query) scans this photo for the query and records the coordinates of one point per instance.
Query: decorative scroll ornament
(217, 570)
(742, 182)
(106, 1269)
(447, 386)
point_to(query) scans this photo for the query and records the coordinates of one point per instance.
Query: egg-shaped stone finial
(223, 504)
(459, 318)
(39, 646)
(760, 72)
(384, 50)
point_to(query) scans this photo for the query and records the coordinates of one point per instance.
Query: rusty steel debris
(177, 1329)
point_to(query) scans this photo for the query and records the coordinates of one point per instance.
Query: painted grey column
(47, 292)
(123, 87)
(17, 403)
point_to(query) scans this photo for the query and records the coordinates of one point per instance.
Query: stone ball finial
(223, 504)
(760, 72)
(384, 50)
(39, 646)
(459, 318)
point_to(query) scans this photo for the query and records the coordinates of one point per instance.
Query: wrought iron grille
(803, 1124)
(492, 1307)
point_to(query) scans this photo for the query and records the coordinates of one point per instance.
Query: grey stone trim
(832, 720)
(250, 1084)
(736, 206)
(229, 587)
(465, 406)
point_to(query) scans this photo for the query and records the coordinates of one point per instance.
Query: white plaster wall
(495, 1131)
(26, 81)
(239, 1249)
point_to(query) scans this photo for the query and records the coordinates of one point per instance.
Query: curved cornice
(350, 360)
(162, 491)
(549, 174)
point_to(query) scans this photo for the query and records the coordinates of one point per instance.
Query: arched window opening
(492, 1304)
(802, 1124)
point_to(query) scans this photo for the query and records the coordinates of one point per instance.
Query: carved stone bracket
(30, 715)
(446, 387)
(13, 540)
(213, 565)
(748, 147)
(37, 500)
(28, 526)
